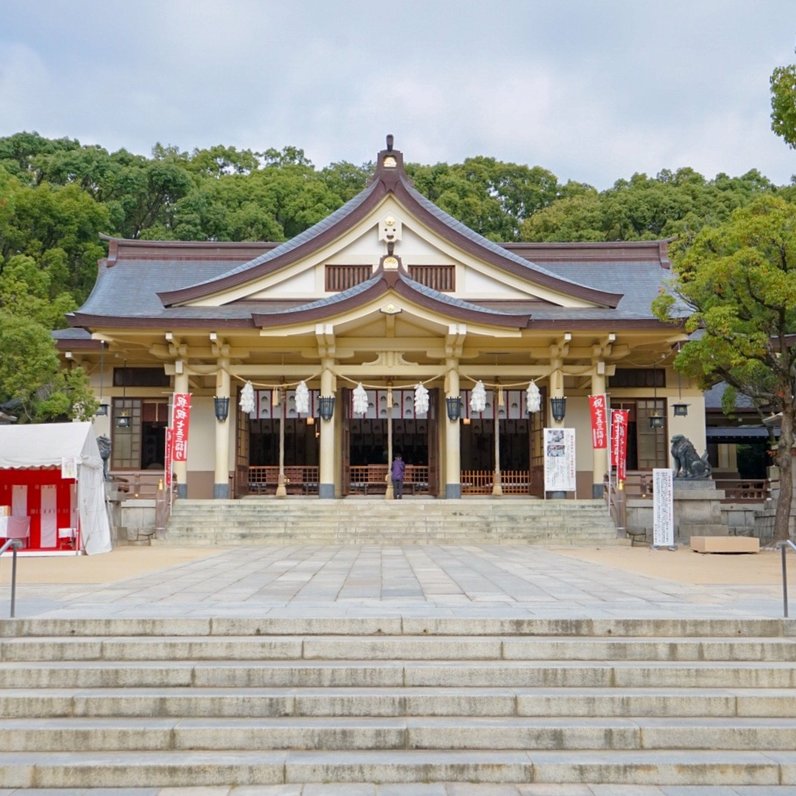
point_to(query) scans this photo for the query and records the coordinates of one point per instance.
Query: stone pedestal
(697, 509)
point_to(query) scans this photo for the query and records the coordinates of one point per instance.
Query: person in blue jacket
(397, 474)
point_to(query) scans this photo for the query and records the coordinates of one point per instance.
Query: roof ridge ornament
(390, 141)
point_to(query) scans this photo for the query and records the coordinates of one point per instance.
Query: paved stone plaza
(413, 580)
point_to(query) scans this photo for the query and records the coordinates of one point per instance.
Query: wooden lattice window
(342, 277)
(437, 277)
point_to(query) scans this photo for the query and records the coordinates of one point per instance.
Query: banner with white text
(180, 425)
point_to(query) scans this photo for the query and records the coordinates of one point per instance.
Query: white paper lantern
(247, 403)
(533, 398)
(360, 400)
(421, 400)
(302, 398)
(478, 397)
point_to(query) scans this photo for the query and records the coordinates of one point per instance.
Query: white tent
(58, 445)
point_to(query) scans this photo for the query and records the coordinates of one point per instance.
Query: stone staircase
(122, 703)
(378, 521)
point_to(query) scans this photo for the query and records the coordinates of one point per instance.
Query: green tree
(783, 103)
(32, 383)
(737, 281)
(58, 226)
(28, 290)
(671, 204)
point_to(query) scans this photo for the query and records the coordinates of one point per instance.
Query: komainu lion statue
(686, 462)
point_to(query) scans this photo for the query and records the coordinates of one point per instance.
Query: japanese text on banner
(599, 421)
(619, 420)
(180, 423)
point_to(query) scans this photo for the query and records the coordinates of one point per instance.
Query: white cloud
(591, 91)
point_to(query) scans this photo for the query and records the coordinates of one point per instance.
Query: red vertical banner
(619, 420)
(167, 473)
(180, 422)
(598, 407)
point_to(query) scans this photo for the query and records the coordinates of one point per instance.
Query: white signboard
(559, 459)
(662, 508)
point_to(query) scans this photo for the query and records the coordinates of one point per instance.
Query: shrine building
(387, 327)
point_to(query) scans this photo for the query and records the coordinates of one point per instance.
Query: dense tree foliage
(783, 103)
(57, 197)
(737, 281)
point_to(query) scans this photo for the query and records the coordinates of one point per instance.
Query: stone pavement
(416, 789)
(413, 580)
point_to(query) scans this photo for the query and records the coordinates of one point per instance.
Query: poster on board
(662, 507)
(559, 459)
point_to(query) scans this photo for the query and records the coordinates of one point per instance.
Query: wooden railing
(638, 484)
(299, 479)
(142, 484)
(366, 479)
(745, 490)
(479, 482)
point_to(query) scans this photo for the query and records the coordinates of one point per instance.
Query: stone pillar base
(220, 491)
(597, 490)
(182, 490)
(453, 491)
(326, 490)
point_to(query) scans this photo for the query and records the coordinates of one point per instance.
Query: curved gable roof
(390, 178)
(380, 284)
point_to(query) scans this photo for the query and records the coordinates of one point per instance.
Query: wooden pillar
(221, 470)
(181, 468)
(599, 455)
(453, 487)
(497, 485)
(326, 477)
(281, 488)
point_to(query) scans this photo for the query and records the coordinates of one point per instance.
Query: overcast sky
(593, 90)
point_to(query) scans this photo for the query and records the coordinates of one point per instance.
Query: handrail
(784, 546)
(13, 544)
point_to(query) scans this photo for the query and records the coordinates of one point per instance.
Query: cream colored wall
(299, 285)
(478, 285)
(201, 438)
(579, 419)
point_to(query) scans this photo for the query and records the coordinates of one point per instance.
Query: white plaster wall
(477, 285)
(202, 434)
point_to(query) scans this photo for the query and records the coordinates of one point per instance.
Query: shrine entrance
(520, 446)
(366, 443)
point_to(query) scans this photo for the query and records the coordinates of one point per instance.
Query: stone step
(404, 647)
(204, 769)
(382, 626)
(189, 701)
(396, 733)
(479, 673)
(377, 521)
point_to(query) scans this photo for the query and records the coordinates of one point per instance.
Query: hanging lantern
(360, 400)
(478, 397)
(533, 398)
(247, 399)
(302, 398)
(421, 399)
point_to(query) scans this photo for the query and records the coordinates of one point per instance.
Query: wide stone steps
(120, 769)
(394, 733)
(317, 674)
(391, 648)
(274, 702)
(124, 703)
(377, 521)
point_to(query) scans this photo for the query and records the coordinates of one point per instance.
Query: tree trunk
(785, 462)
